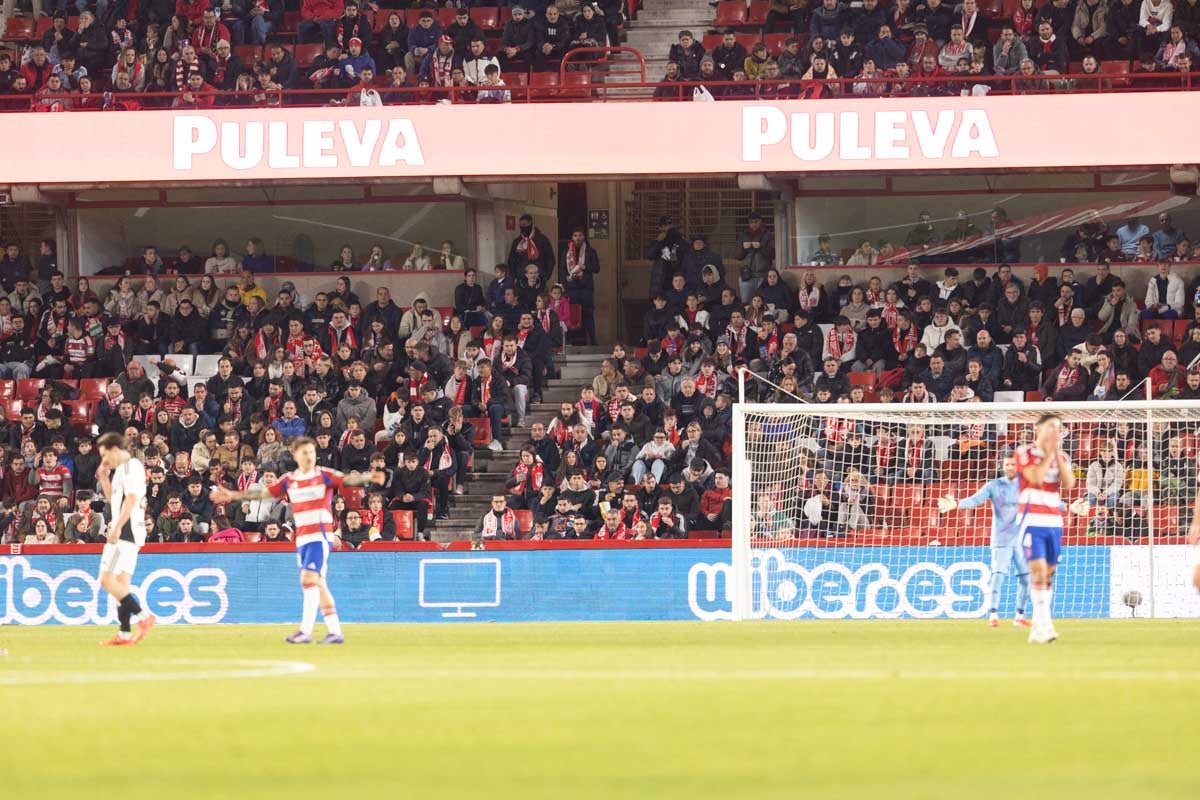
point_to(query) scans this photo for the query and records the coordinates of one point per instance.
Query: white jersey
(129, 479)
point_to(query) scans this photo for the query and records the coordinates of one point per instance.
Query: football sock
(132, 607)
(312, 601)
(1041, 606)
(1022, 593)
(332, 623)
(123, 617)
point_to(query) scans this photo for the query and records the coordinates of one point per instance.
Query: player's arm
(363, 478)
(974, 501)
(221, 495)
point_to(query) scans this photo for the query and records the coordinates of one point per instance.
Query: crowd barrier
(585, 581)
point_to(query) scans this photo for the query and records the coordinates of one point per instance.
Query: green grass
(691, 710)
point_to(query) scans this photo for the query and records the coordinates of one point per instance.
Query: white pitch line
(792, 674)
(216, 670)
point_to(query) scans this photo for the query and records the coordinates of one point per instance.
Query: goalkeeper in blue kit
(1008, 556)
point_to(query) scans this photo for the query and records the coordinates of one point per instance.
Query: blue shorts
(1009, 560)
(313, 557)
(1043, 543)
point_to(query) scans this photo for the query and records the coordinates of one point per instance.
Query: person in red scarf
(1046, 50)
(530, 247)
(578, 263)
(743, 342)
(665, 523)
(613, 527)
(1068, 381)
(840, 343)
(915, 457)
(498, 522)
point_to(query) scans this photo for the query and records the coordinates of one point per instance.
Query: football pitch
(690, 710)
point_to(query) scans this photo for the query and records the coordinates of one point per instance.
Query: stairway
(657, 28)
(492, 468)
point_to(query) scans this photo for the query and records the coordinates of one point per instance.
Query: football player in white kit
(123, 479)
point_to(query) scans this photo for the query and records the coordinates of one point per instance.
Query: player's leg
(1021, 568)
(311, 558)
(328, 610)
(1043, 556)
(118, 562)
(1001, 558)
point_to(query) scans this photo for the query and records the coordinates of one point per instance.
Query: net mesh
(843, 518)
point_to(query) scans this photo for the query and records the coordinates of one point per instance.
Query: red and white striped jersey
(51, 482)
(1039, 506)
(310, 496)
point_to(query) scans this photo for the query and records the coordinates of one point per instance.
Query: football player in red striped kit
(309, 490)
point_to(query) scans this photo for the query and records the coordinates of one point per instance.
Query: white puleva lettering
(243, 145)
(816, 136)
(29, 596)
(782, 589)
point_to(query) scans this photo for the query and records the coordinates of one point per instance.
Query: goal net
(837, 512)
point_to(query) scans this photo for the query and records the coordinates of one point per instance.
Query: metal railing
(554, 90)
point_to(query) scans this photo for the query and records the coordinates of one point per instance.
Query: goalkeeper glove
(946, 504)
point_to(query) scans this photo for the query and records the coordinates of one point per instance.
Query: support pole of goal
(1150, 490)
(738, 580)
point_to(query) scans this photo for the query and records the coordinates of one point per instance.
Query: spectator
(318, 21)
(1067, 382)
(1168, 236)
(1105, 477)
(519, 39)
(728, 56)
(1129, 234)
(1164, 294)
(1167, 379)
(1117, 311)
(498, 522)
(553, 38)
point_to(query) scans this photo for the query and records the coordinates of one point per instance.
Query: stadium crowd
(930, 47)
(377, 386)
(160, 53)
(640, 452)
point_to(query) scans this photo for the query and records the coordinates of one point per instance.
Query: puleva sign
(29, 596)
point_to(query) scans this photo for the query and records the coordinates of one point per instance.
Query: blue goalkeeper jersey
(1002, 492)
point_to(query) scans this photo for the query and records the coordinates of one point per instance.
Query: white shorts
(1195, 557)
(119, 558)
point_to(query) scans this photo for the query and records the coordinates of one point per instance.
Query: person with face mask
(530, 247)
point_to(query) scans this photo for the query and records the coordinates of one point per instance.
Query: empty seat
(403, 520)
(307, 53)
(206, 365)
(20, 29)
(354, 496)
(731, 14)
(488, 19)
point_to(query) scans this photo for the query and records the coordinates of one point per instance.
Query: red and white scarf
(507, 523)
(707, 386)
(526, 245)
(904, 341)
(839, 343)
(576, 260)
(1066, 377)
(810, 298)
(620, 533)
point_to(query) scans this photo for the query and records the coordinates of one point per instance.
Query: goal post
(836, 509)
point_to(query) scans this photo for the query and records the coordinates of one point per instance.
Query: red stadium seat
(28, 389)
(488, 19)
(1116, 68)
(93, 389)
(1034, 397)
(20, 29)
(774, 42)
(576, 85)
(251, 537)
(864, 379)
(525, 518)
(354, 496)
(80, 414)
(483, 430)
(403, 521)
(306, 54)
(1179, 331)
(290, 24)
(1166, 521)
(12, 409)
(515, 78)
(756, 14)
(247, 53)
(446, 17)
(993, 8)
(731, 14)
(7, 390)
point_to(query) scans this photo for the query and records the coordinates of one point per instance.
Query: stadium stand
(209, 375)
(341, 54)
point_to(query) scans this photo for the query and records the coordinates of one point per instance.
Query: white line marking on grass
(61, 673)
(794, 674)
